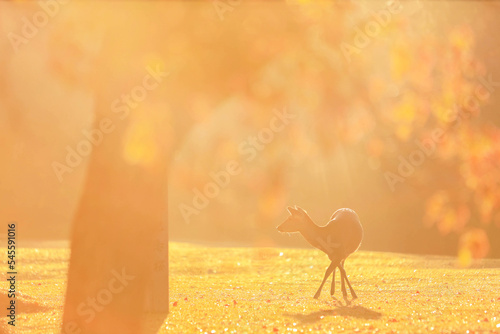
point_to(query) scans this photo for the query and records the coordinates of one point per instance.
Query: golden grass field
(268, 290)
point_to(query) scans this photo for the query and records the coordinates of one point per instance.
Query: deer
(339, 238)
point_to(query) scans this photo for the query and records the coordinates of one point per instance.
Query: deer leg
(342, 282)
(343, 273)
(328, 272)
(332, 290)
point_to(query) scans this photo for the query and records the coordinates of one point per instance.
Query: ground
(269, 290)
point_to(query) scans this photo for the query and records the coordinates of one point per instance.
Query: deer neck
(312, 233)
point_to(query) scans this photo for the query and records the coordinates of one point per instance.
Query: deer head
(295, 222)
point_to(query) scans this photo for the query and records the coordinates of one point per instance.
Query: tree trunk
(118, 270)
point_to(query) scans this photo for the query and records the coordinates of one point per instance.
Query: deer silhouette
(339, 238)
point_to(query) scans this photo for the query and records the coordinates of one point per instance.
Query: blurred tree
(122, 210)
(409, 98)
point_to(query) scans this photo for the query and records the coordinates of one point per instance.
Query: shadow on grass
(359, 312)
(25, 304)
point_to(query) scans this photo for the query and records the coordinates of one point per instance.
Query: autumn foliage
(393, 107)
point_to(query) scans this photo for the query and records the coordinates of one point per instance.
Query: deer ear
(291, 210)
(300, 210)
